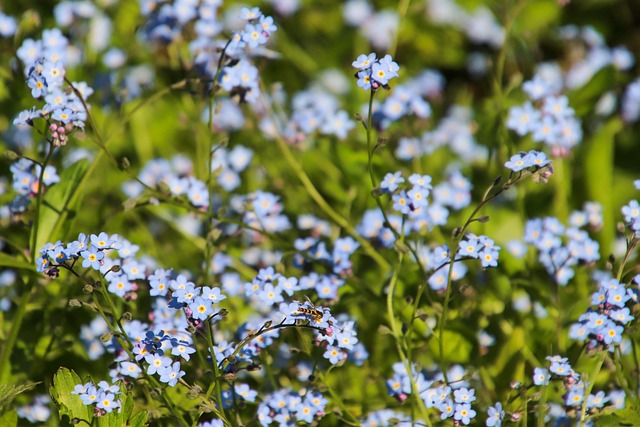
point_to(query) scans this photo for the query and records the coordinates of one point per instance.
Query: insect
(312, 311)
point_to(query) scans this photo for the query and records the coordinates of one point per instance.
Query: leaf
(7, 260)
(138, 420)
(456, 347)
(623, 417)
(9, 392)
(56, 201)
(9, 419)
(68, 404)
(599, 164)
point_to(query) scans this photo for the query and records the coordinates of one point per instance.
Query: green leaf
(456, 347)
(139, 419)
(123, 417)
(9, 419)
(599, 177)
(69, 404)
(622, 417)
(9, 392)
(7, 260)
(56, 202)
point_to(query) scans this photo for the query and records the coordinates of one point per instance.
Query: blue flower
(92, 258)
(495, 415)
(391, 181)
(464, 413)
(170, 374)
(464, 395)
(245, 392)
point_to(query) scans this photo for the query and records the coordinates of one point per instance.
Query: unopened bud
(377, 192)
(125, 164)
(483, 219)
(163, 187)
(129, 204)
(11, 155)
(382, 142)
(400, 247)
(194, 392)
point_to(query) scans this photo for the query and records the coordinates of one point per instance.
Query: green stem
(397, 335)
(370, 152)
(216, 373)
(592, 380)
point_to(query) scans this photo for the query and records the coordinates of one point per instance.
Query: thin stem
(370, 152)
(216, 373)
(592, 380)
(397, 335)
(209, 160)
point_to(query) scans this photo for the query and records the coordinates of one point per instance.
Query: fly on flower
(311, 310)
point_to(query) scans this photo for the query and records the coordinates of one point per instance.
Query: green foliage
(9, 392)
(69, 405)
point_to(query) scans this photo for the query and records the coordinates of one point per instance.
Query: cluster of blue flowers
(409, 98)
(454, 131)
(523, 160)
(479, 25)
(90, 249)
(288, 407)
(373, 72)
(561, 248)
(421, 214)
(176, 175)
(38, 411)
(261, 211)
(26, 182)
(560, 369)
(45, 72)
(378, 27)
(456, 405)
(104, 396)
(338, 261)
(316, 109)
(631, 214)
(337, 337)
(604, 322)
